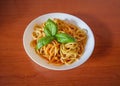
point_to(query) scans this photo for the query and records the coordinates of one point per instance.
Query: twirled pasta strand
(57, 53)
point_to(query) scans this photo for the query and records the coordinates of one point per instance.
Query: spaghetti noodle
(59, 53)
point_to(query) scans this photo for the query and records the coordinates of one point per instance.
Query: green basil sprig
(51, 30)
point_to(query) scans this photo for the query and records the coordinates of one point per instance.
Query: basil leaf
(47, 32)
(50, 28)
(44, 41)
(64, 38)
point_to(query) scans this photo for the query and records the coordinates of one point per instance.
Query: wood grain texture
(102, 69)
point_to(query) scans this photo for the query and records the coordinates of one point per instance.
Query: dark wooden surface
(103, 67)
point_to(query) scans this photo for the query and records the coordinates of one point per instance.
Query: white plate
(27, 38)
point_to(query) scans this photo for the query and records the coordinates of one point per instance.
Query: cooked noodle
(58, 53)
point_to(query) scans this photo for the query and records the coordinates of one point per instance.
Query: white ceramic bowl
(27, 37)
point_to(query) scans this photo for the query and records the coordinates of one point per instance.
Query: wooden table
(103, 67)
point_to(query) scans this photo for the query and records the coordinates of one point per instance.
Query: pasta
(61, 53)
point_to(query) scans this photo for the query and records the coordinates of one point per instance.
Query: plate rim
(40, 57)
